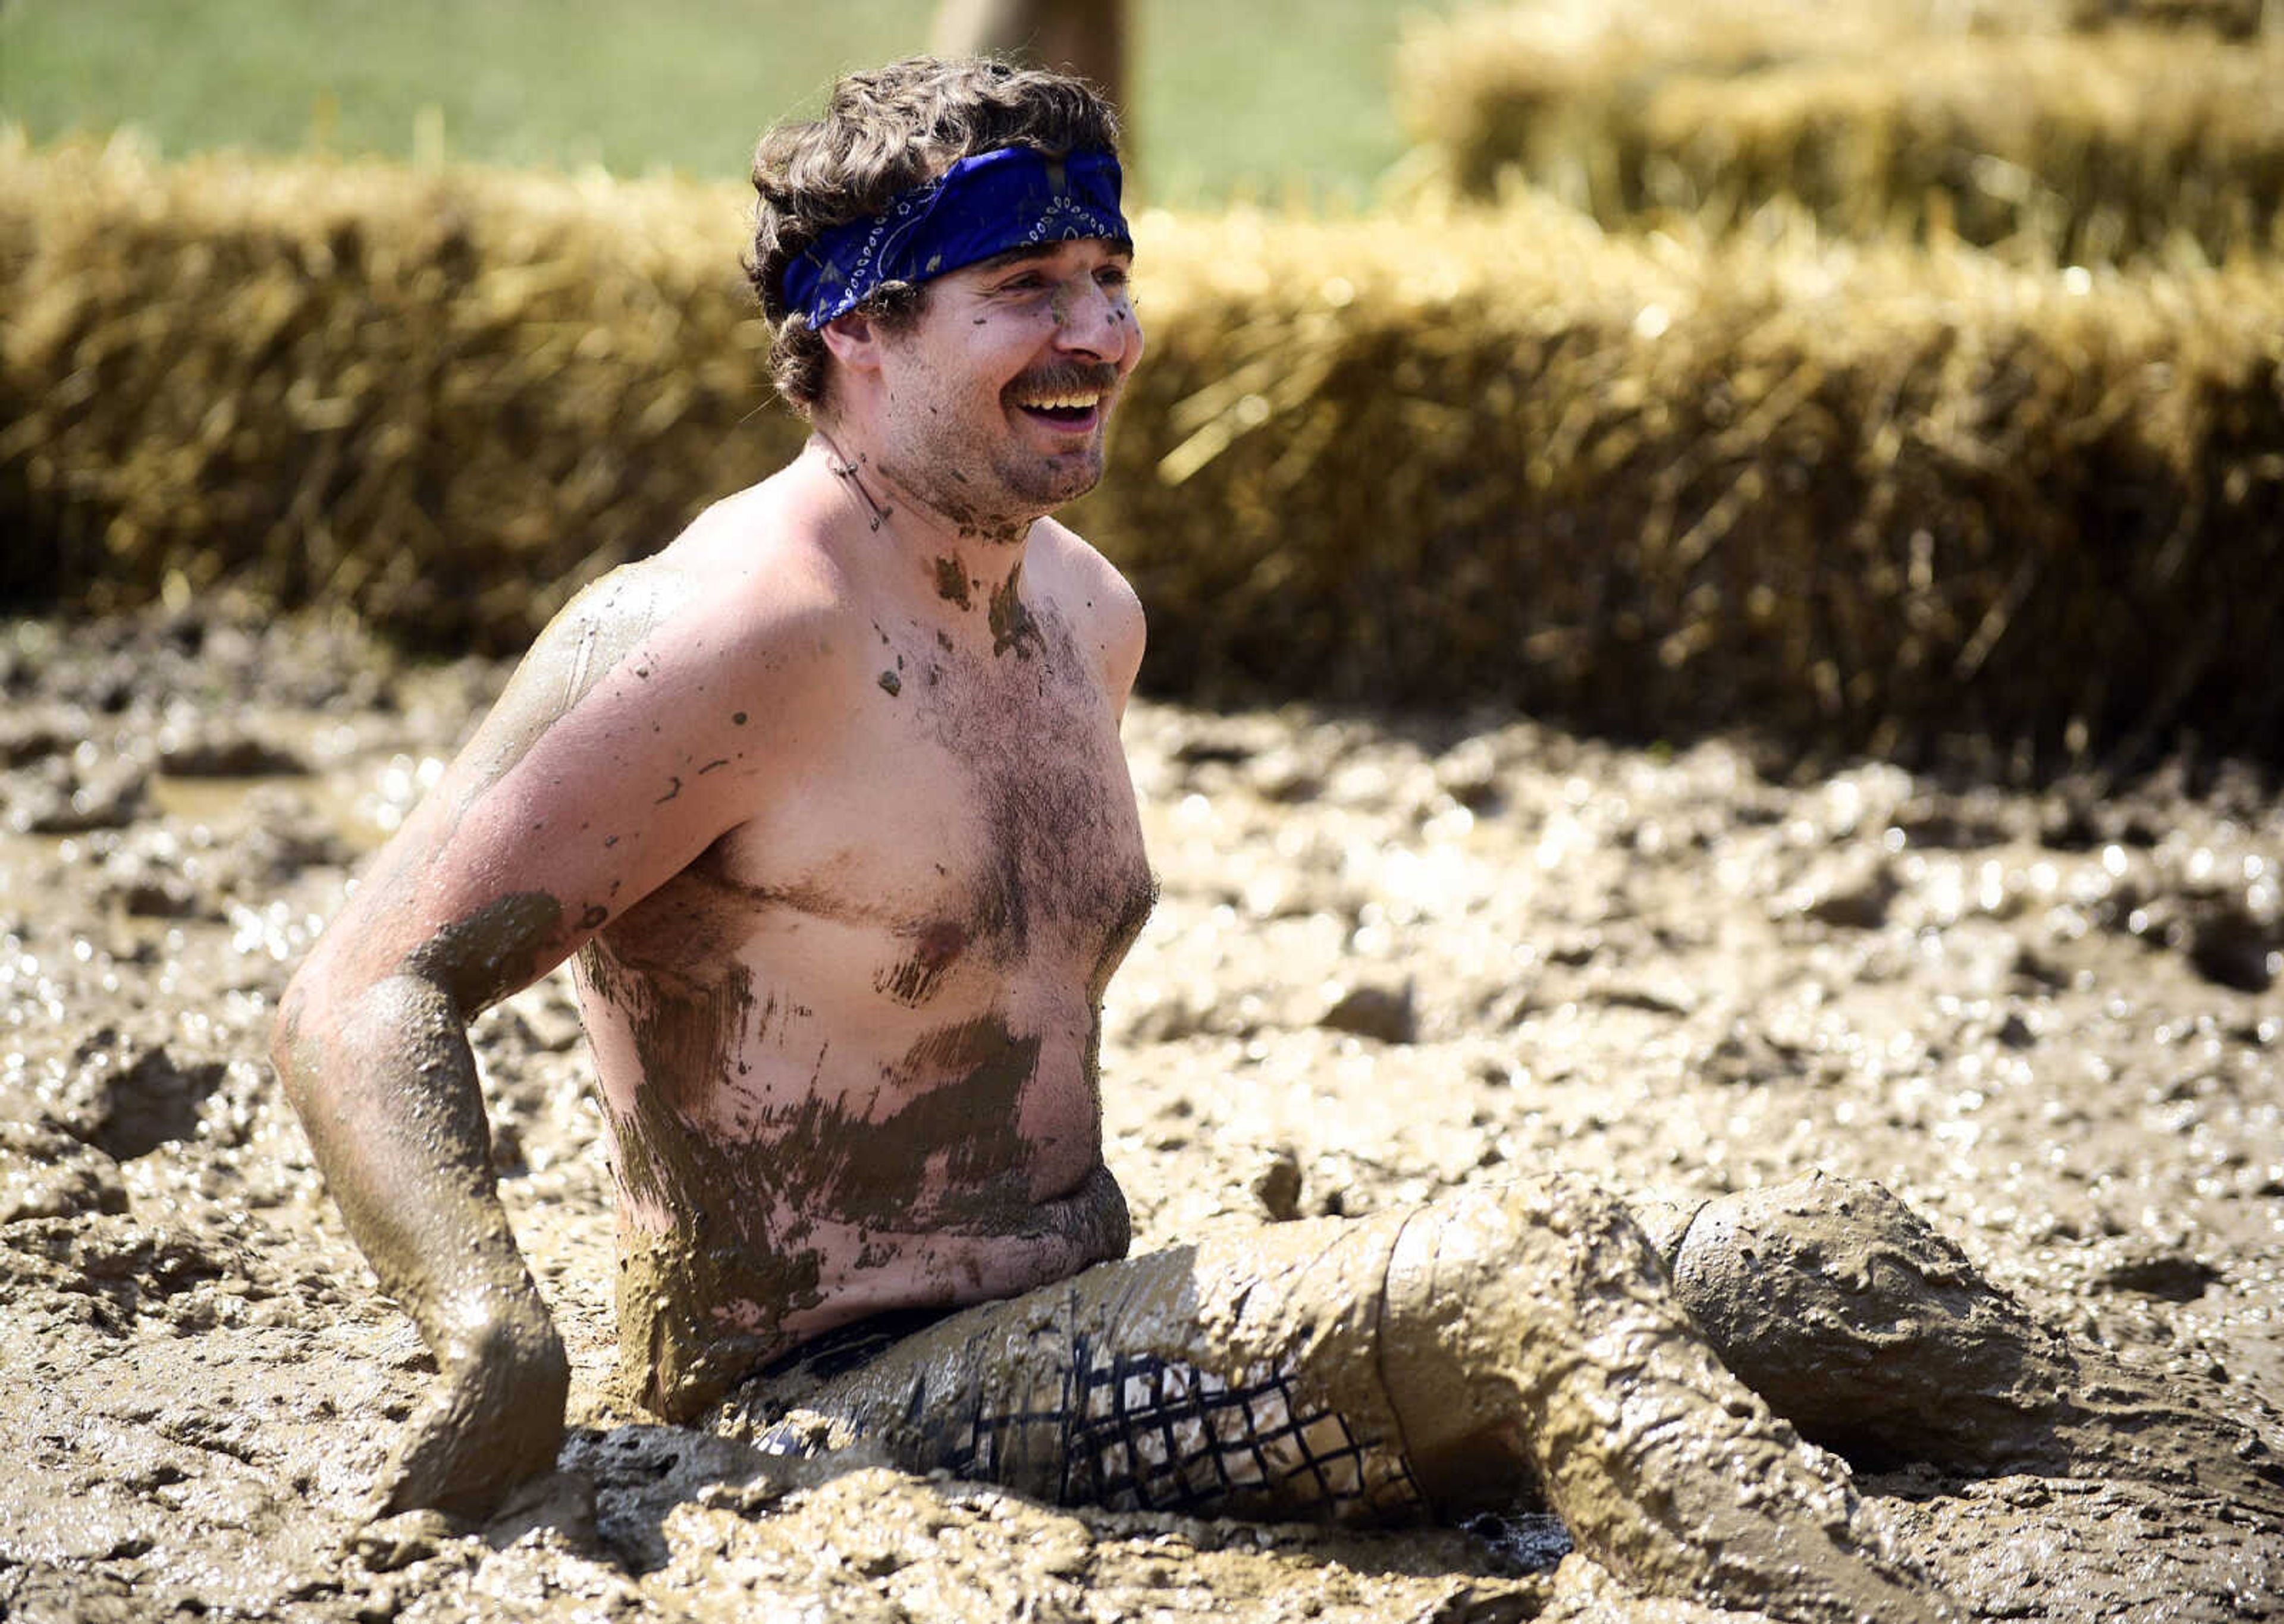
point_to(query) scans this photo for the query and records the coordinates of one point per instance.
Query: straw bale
(2096, 147)
(444, 398)
(1862, 495)
(1865, 495)
(2236, 20)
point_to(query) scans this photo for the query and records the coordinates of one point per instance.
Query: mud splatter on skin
(407, 1150)
(688, 1033)
(746, 1206)
(593, 636)
(386, 1085)
(1124, 930)
(1012, 625)
(1060, 855)
(951, 581)
(597, 632)
(1056, 857)
(961, 1125)
(731, 1243)
(1122, 936)
(914, 982)
(492, 952)
(891, 683)
(957, 508)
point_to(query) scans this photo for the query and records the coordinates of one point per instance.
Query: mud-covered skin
(773, 1018)
(1534, 1327)
(1876, 1336)
(372, 1046)
(408, 1155)
(848, 857)
(848, 1055)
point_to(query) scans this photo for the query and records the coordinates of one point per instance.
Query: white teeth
(1081, 402)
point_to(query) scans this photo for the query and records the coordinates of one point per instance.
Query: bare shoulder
(650, 718)
(732, 602)
(1099, 602)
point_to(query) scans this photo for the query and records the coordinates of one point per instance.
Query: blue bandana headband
(1013, 197)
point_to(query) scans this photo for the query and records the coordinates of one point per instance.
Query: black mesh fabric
(1137, 1432)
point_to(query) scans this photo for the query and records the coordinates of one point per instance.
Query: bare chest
(971, 828)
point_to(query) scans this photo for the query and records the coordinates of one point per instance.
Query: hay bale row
(2235, 19)
(443, 398)
(1864, 496)
(1867, 496)
(2094, 147)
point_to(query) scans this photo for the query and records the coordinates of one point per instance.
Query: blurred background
(1276, 97)
(1875, 376)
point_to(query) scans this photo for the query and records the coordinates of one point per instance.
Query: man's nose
(1095, 321)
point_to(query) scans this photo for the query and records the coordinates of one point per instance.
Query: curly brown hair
(882, 134)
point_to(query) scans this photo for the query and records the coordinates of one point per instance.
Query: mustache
(1067, 378)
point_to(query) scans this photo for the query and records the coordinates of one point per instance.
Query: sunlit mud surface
(1391, 960)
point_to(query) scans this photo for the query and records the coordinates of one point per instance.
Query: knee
(1537, 1247)
(1491, 1296)
(1853, 1316)
(1820, 1254)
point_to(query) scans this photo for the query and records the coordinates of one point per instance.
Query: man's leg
(1877, 1337)
(1533, 1324)
(1232, 1379)
(1361, 1370)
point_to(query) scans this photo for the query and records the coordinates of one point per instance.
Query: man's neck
(952, 562)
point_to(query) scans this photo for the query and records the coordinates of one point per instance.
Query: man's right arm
(381, 1073)
(629, 740)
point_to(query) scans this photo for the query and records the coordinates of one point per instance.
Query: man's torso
(848, 1055)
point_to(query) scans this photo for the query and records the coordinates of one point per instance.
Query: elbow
(285, 1036)
(291, 1038)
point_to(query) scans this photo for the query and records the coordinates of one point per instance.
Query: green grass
(1270, 99)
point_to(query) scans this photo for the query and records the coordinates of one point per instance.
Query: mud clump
(1663, 971)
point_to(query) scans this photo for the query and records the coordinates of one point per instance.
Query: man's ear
(854, 341)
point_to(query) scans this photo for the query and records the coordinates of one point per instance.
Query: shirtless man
(828, 800)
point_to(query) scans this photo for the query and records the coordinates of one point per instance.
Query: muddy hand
(495, 1420)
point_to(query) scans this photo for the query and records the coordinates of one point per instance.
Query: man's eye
(1113, 276)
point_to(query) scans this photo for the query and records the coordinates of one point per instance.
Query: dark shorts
(850, 1347)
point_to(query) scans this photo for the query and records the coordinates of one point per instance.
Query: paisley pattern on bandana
(983, 205)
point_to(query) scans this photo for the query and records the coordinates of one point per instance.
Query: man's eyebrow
(1025, 252)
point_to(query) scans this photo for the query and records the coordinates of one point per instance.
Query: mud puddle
(1389, 960)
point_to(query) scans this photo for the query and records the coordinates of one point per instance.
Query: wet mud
(1392, 962)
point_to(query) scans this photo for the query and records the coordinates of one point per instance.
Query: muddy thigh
(1224, 1379)
(1490, 1348)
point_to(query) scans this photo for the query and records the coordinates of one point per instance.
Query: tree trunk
(1086, 37)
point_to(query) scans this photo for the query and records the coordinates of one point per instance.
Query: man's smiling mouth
(1065, 397)
(1067, 406)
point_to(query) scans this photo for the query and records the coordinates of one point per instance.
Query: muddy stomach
(774, 1183)
(735, 1283)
